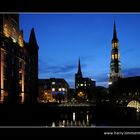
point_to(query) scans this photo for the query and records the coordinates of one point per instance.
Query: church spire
(32, 39)
(114, 33)
(79, 69)
(115, 67)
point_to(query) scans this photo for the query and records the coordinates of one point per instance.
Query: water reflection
(73, 119)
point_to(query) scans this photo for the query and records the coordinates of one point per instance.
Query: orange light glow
(22, 83)
(5, 30)
(81, 94)
(2, 76)
(20, 41)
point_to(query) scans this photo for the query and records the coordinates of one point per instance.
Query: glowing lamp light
(59, 89)
(53, 89)
(14, 40)
(110, 83)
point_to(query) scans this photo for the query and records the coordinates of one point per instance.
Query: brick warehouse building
(18, 62)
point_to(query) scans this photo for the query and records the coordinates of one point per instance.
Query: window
(113, 56)
(116, 44)
(59, 89)
(63, 89)
(5, 70)
(20, 41)
(116, 56)
(113, 45)
(5, 56)
(14, 35)
(5, 30)
(53, 89)
(13, 60)
(53, 83)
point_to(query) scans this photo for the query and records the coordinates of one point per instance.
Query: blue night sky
(64, 37)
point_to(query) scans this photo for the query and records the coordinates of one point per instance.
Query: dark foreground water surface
(55, 116)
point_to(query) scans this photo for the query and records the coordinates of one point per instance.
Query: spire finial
(79, 68)
(32, 38)
(114, 31)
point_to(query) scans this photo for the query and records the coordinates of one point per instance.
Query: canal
(53, 116)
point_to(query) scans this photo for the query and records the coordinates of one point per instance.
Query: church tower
(78, 79)
(115, 66)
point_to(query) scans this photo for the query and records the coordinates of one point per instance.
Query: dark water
(93, 117)
(54, 116)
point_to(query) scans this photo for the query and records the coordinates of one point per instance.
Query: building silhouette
(53, 90)
(83, 85)
(115, 66)
(18, 62)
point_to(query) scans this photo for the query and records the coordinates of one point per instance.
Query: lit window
(81, 84)
(118, 56)
(53, 83)
(116, 44)
(14, 40)
(85, 84)
(112, 45)
(112, 56)
(53, 89)
(110, 83)
(59, 89)
(115, 56)
(14, 35)
(63, 89)
(5, 31)
(20, 40)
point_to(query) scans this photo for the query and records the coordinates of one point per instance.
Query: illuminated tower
(12, 60)
(115, 67)
(18, 62)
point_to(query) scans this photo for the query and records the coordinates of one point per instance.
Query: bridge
(130, 102)
(72, 104)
